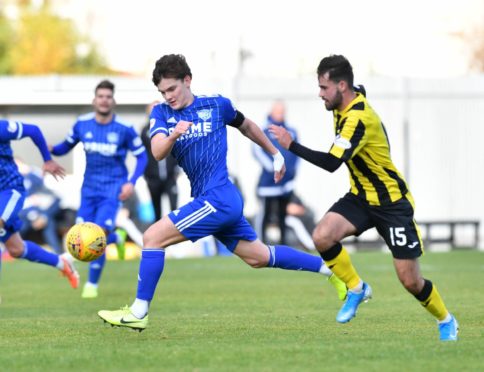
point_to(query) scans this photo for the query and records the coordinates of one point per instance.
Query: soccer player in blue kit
(106, 140)
(12, 196)
(194, 129)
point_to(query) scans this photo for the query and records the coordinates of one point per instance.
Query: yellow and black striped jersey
(362, 143)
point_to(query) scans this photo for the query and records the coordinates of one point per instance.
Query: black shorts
(394, 222)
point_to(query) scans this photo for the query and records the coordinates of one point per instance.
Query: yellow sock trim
(342, 267)
(435, 305)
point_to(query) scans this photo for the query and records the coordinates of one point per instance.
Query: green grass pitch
(217, 314)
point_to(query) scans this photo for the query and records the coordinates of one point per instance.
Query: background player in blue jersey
(194, 129)
(106, 140)
(12, 196)
(275, 196)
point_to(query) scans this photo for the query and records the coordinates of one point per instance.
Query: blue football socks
(288, 258)
(96, 268)
(112, 237)
(150, 270)
(35, 253)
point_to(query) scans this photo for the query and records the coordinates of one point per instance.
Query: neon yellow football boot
(339, 285)
(89, 291)
(124, 318)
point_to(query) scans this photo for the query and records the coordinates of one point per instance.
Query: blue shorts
(218, 212)
(99, 210)
(11, 203)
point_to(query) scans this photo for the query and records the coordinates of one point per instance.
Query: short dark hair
(338, 69)
(105, 84)
(171, 66)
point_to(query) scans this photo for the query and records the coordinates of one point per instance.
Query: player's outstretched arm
(61, 148)
(54, 168)
(252, 131)
(321, 159)
(282, 135)
(141, 163)
(127, 190)
(65, 146)
(35, 134)
(50, 166)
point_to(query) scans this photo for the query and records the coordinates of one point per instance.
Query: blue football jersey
(202, 151)
(105, 146)
(10, 178)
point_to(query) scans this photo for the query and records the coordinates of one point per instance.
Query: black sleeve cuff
(238, 120)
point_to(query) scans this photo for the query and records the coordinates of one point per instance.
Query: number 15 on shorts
(397, 236)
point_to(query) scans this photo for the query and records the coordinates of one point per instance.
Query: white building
(434, 128)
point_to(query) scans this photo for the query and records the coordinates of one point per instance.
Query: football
(86, 241)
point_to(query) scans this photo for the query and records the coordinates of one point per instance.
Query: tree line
(40, 42)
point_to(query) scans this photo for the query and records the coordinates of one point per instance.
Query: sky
(413, 38)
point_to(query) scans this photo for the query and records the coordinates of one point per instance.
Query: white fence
(434, 127)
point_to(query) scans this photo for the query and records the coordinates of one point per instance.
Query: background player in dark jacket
(160, 175)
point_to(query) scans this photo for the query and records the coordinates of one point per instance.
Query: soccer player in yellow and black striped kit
(379, 196)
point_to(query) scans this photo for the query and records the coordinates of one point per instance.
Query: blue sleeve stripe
(10, 207)
(138, 151)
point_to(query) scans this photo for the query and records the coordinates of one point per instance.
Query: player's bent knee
(411, 284)
(255, 254)
(15, 250)
(151, 240)
(255, 263)
(161, 235)
(322, 239)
